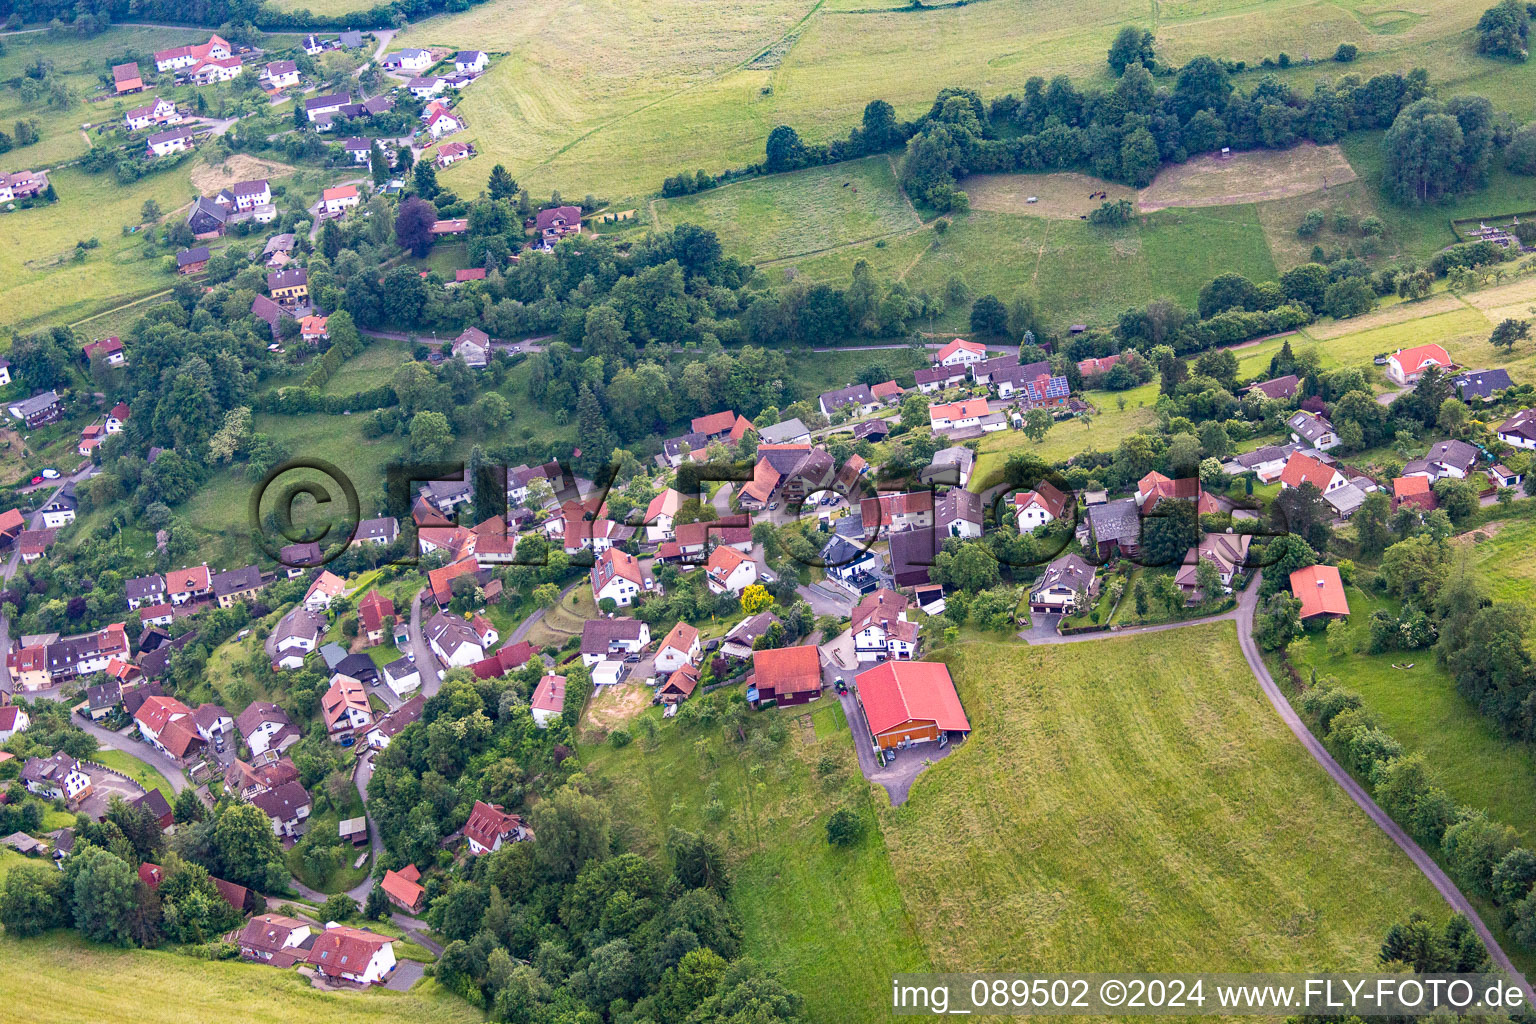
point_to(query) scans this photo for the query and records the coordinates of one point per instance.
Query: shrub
(845, 828)
(619, 738)
(1311, 224)
(1346, 53)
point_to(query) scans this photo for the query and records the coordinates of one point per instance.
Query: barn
(909, 702)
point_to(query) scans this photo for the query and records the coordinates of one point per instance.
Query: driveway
(897, 776)
(405, 974)
(1042, 629)
(826, 599)
(426, 661)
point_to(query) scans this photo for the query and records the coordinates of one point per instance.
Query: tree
(378, 163)
(1423, 153)
(1278, 623)
(376, 907)
(989, 317)
(425, 181)
(1520, 155)
(546, 595)
(431, 435)
(755, 598)
(1132, 45)
(501, 185)
(1208, 579)
(1504, 31)
(33, 901)
(1139, 159)
(339, 907)
(845, 828)
(1037, 423)
(576, 825)
(1373, 523)
(150, 212)
(1168, 531)
(1457, 498)
(785, 150)
(413, 225)
(1508, 332)
(104, 893)
(245, 847)
(1349, 297)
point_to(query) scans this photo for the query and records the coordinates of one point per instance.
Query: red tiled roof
(342, 949)
(682, 682)
(1412, 360)
(441, 580)
(549, 695)
(959, 410)
(1320, 589)
(1046, 495)
(487, 822)
(957, 345)
(898, 692)
(682, 637)
(12, 521)
(715, 423)
(1410, 486)
(373, 609)
(1302, 468)
(787, 670)
(403, 890)
(181, 581)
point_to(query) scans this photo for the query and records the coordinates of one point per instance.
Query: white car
(50, 474)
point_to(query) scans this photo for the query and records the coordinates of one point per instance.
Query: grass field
(145, 775)
(58, 970)
(1253, 177)
(1060, 196)
(1133, 794)
(794, 214)
(1068, 437)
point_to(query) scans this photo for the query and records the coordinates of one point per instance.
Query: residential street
(138, 750)
(426, 661)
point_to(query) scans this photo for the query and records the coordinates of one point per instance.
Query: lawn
(145, 775)
(794, 214)
(58, 970)
(1068, 437)
(1421, 708)
(1138, 794)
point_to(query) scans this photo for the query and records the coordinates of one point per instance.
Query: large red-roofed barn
(910, 702)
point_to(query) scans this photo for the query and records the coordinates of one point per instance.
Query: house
(22, 185)
(960, 353)
(84, 654)
(1113, 528)
(426, 87)
(206, 219)
(351, 40)
(1484, 384)
(938, 378)
(605, 639)
(957, 415)
(326, 588)
(729, 571)
(1312, 429)
(274, 939)
(1412, 490)
(5, 373)
(352, 954)
(791, 431)
(896, 511)
(548, 701)
(1066, 583)
(738, 642)
(473, 346)
(376, 531)
(880, 627)
(856, 398)
(551, 225)
(910, 702)
(1453, 459)
(246, 195)
(184, 585)
(126, 78)
(402, 889)
(1279, 389)
(58, 777)
(1266, 463)
(339, 200)
(888, 392)
(360, 150)
(849, 563)
(453, 640)
(162, 111)
(471, 61)
(402, 676)
(950, 466)
(489, 826)
(722, 426)
(409, 59)
(289, 287)
(177, 140)
(287, 807)
(1302, 468)
(1519, 430)
(1503, 476)
(14, 720)
(373, 611)
(297, 634)
(958, 514)
(325, 106)
(192, 261)
(785, 675)
(873, 431)
(660, 515)
(1034, 389)
(241, 584)
(440, 121)
(1407, 365)
(212, 721)
(142, 590)
(616, 576)
(220, 69)
(43, 407)
(1320, 589)
(12, 523)
(1035, 508)
(681, 646)
(169, 726)
(110, 350)
(312, 329)
(280, 74)
(34, 544)
(1227, 551)
(452, 152)
(679, 685)
(60, 509)
(158, 807)
(344, 707)
(180, 57)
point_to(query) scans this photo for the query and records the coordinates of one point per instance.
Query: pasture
(60, 969)
(1135, 793)
(764, 219)
(1060, 196)
(1252, 177)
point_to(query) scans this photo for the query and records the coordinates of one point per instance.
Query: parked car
(50, 474)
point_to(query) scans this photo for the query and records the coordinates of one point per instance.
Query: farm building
(907, 702)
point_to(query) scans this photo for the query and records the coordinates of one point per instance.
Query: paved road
(1244, 612)
(1038, 634)
(426, 661)
(139, 751)
(526, 626)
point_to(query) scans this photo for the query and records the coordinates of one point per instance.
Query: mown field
(1132, 798)
(60, 977)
